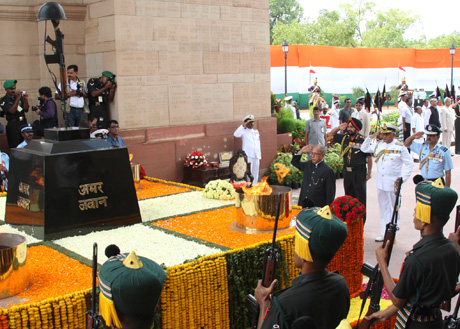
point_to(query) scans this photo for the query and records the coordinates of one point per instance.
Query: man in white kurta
(447, 122)
(426, 112)
(335, 114)
(391, 156)
(417, 124)
(251, 144)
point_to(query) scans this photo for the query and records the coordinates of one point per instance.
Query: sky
(438, 17)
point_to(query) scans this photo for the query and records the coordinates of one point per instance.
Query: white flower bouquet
(219, 190)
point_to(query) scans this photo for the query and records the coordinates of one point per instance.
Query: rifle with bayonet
(375, 284)
(268, 274)
(93, 319)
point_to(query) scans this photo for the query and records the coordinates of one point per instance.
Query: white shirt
(251, 141)
(418, 125)
(405, 111)
(390, 163)
(426, 113)
(363, 116)
(292, 110)
(75, 101)
(334, 113)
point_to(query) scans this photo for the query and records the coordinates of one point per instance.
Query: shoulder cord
(425, 161)
(380, 154)
(347, 149)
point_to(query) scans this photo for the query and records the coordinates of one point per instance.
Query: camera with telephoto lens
(79, 91)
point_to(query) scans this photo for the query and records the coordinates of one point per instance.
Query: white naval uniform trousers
(251, 146)
(389, 169)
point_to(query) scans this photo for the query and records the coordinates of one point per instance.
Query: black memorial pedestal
(68, 184)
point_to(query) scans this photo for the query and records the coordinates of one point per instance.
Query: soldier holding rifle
(430, 270)
(316, 292)
(130, 288)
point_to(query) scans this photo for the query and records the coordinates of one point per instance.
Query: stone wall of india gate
(187, 71)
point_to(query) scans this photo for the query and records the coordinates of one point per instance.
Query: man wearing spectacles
(318, 183)
(113, 138)
(346, 112)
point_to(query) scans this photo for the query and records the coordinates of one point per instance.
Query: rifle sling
(286, 318)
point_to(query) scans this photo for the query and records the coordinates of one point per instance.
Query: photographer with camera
(76, 93)
(47, 110)
(101, 91)
(15, 105)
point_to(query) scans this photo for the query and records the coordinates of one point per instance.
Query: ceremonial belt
(426, 313)
(354, 168)
(15, 119)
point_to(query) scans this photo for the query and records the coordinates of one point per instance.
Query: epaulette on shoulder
(399, 143)
(443, 148)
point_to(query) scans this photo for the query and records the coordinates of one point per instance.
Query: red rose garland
(348, 209)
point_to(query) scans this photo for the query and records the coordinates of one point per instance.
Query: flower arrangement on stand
(220, 190)
(349, 258)
(348, 209)
(195, 160)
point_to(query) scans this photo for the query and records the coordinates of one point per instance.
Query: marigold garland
(150, 189)
(349, 259)
(153, 179)
(54, 274)
(66, 311)
(196, 295)
(216, 226)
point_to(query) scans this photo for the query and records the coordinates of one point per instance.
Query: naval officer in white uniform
(391, 156)
(251, 144)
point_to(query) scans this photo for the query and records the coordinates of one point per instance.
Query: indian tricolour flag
(340, 69)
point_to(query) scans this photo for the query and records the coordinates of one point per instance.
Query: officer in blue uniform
(435, 159)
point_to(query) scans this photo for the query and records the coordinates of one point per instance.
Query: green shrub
(286, 125)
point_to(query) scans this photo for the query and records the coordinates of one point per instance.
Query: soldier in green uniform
(355, 172)
(430, 271)
(15, 105)
(317, 293)
(130, 288)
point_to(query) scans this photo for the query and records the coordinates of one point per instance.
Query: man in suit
(318, 183)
